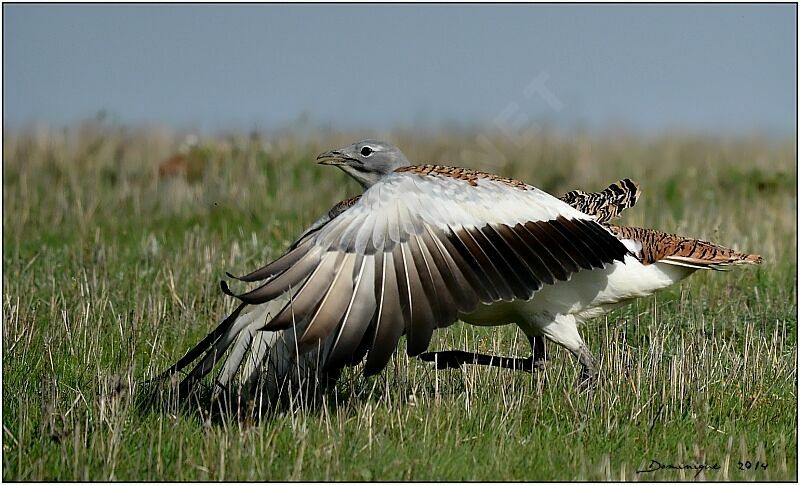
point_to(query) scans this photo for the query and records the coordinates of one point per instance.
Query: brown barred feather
(607, 204)
(342, 206)
(466, 174)
(657, 246)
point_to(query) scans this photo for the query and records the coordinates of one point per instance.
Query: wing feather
(419, 328)
(464, 269)
(452, 289)
(289, 278)
(279, 265)
(332, 307)
(525, 256)
(548, 240)
(529, 281)
(441, 301)
(581, 248)
(309, 295)
(595, 232)
(500, 287)
(389, 326)
(360, 309)
(503, 272)
(260, 344)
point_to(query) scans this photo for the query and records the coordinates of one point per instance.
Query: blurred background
(647, 68)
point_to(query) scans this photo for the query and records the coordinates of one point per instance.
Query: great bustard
(425, 245)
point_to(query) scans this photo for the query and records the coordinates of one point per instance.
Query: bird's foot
(587, 380)
(540, 363)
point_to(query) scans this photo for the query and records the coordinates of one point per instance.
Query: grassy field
(111, 270)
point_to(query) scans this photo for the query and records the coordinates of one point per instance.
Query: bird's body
(557, 311)
(425, 245)
(588, 294)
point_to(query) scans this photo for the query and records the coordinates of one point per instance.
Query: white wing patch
(403, 203)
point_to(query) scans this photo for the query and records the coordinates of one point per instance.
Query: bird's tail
(256, 364)
(656, 246)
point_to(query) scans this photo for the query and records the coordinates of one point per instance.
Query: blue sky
(711, 68)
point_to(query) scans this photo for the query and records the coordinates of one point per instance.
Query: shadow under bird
(424, 246)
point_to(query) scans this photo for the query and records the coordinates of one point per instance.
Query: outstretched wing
(419, 248)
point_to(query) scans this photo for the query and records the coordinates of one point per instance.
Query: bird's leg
(588, 376)
(538, 352)
(453, 359)
(456, 358)
(563, 330)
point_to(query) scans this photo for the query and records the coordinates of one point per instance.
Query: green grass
(111, 273)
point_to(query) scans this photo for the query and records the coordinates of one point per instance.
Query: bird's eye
(366, 151)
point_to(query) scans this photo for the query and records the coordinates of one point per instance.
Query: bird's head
(366, 161)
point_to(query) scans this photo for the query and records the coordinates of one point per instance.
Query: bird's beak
(333, 157)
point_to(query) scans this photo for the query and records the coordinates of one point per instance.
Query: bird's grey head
(366, 161)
